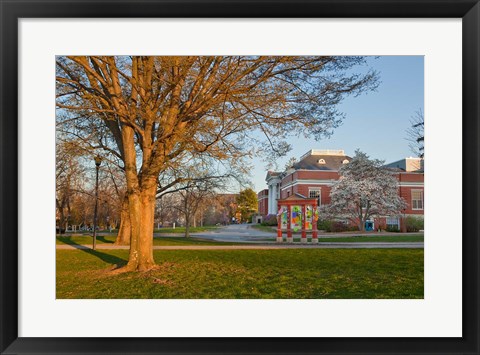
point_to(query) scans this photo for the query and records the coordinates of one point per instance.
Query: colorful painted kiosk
(296, 214)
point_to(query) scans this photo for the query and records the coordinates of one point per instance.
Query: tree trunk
(187, 225)
(61, 220)
(61, 223)
(363, 220)
(142, 209)
(124, 232)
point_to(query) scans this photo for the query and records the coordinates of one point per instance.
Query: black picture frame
(12, 11)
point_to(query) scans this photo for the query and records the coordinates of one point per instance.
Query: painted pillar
(279, 226)
(314, 224)
(289, 224)
(304, 232)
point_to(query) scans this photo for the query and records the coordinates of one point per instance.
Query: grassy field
(291, 273)
(110, 239)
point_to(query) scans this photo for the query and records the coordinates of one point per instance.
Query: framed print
(234, 177)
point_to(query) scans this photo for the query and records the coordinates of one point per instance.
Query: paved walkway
(239, 233)
(258, 239)
(246, 233)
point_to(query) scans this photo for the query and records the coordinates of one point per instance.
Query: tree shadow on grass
(107, 258)
(106, 241)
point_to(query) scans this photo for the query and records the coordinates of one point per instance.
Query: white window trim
(319, 197)
(421, 192)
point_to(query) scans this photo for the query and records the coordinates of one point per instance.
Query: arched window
(321, 161)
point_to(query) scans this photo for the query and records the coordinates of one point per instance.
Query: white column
(270, 199)
(274, 199)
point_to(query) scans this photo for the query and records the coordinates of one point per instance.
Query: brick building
(262, 197)
(316, 171)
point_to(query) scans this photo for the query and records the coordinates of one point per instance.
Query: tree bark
(62, 219)
(141, 209)
(124, 232)
(361, 225)
(187, 224)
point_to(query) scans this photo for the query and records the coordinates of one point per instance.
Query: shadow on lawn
(100, 238)
(106, 241)
(110, 259)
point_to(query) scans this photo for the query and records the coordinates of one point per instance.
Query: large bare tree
(156, 108)
(69, 176)
(416, 134)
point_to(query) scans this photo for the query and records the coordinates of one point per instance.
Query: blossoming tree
(365, 190)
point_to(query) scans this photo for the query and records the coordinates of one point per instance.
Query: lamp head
(98, 160)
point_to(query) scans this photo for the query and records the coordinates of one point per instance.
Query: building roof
(272, 174)
(321, 162)
(410, 165)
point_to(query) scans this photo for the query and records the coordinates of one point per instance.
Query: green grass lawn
(84, 239)
(286, 273)
(110, 239)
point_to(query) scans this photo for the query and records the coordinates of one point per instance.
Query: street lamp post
(66, 224)
(98, 161)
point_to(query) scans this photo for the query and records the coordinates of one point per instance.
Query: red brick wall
(302, 189)
(262, 197)
(410, 177)
(406, 194)
(404, 191)
(284, 193)
(317, 175)
(286, 180)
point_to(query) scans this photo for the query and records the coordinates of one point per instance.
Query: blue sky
(375, 122)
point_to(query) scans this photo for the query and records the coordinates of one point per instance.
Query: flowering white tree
(365, 189)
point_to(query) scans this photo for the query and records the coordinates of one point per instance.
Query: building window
(321, 161)
(393, 222)
(345, 161)
(315, 193)
(417, 199)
